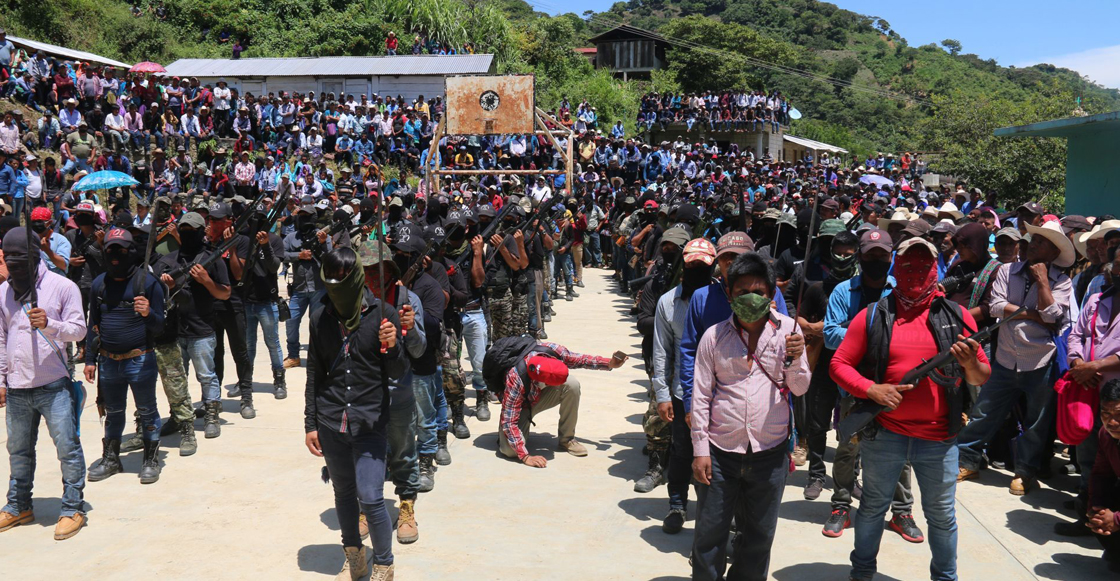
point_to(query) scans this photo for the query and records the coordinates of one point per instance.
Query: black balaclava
(16, 250)
(119, 262)
(695, 277)
(190, 243)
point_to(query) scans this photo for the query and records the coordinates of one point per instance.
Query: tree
(726, 64)
(883, 26)
(953, 46)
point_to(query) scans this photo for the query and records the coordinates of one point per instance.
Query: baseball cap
(1075, 222)
(193, 220)
(1010, 232)
(220, 210)
(118, 237)
(547, 370)
(917, 228)
(40, 213)
(372, 253)
(677, 236)
(651, 205)
(945, 227)
(86, 206)
(734, 243)
(831, 204)
(874, 238)
(699, 250)
(916, 242)
(1032, 207)
(831, 227)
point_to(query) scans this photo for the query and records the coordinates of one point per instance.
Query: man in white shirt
(540, 192)
(115, 127)
(221, 108)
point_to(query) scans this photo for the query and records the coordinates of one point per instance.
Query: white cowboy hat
(1052, 231)
(1081, 243)
(951, 209)
(899, 217)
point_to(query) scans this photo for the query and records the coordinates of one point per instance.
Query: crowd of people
(725, 111)
(814, 290)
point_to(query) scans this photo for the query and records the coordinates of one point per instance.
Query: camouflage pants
(658, 432)
(169, 360)
(454, 382)
(501, 317)
(519, 319)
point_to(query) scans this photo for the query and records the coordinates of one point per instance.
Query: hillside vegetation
(858, 82)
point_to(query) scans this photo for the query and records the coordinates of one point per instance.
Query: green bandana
(750, 307)
(346, 296)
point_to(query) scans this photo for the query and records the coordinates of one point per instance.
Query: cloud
(1099, 64)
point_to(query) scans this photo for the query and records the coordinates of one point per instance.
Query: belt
(472, 306)
(123, 356)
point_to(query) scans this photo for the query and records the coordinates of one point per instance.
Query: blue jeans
(593, 248)
(563, 267)
(117, 377)
(357, 468)
(297, 304)
(25, 407)
(475, 335)
(430, 400)
(749, 488)
(200, 351)
(935, 467)
(17, 205)
(269, 319)
(72, 166)
(404, 466)
(991, 409)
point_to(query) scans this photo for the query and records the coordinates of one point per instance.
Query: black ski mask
(17, 247)
(190, 242)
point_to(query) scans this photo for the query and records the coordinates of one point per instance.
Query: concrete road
(250, 504)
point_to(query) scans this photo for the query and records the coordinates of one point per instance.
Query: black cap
(220, 210)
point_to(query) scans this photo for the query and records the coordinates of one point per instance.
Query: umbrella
(147, 67)
(879, 181)
(794, 114)
(103, 180)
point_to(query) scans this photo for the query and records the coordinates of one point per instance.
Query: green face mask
(750, 307)
(346, 296)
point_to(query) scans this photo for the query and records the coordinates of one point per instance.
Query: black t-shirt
(499, 274)
(537, 253)
(788, 261)
(196, 312)
(242, 247)
(170, 332)
(261, 285)
(431, 298)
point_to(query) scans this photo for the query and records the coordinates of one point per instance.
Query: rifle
(33, 272)
(954, 284)
(264, 225)
(486, 234)
(414, 269)
(863, 412)
(805, 267)
(160, 213)
(182, 274)
(505, 231)
(742, 209)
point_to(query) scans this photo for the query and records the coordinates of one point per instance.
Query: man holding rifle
(883, 343)
(260, 294)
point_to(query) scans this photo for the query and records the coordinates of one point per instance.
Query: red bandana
(916, 282)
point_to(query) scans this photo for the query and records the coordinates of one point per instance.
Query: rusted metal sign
(489, 105)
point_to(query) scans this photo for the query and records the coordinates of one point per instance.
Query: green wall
(1093, 173)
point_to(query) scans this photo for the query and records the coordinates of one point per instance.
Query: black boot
(110, 462)
(281, 386)
(149, 470)
(213, 428)
(171, 426)
(136, 441)
(443, 457)
(571, 293)
(481, 406)
(187, 444)
(655, 475)
(427, 473)
(247, 410)
(458, 425)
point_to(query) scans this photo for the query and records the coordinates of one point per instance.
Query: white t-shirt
(34, 187)
(540, 194)
(221, 98)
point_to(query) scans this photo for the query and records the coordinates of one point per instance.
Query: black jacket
(345, 390)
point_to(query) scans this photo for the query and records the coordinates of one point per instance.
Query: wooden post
(430, 163)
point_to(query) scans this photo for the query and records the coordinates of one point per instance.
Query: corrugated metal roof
(334, 66)
(77, 55)
(811, 144)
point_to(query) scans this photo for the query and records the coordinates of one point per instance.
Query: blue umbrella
(103, 180)
(879, 181)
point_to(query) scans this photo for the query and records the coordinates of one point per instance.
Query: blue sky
(1083, 36)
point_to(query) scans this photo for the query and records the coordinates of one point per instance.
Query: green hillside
(859, 84)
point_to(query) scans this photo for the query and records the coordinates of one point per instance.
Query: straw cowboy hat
(899, 217)
(951, 209)
(1052, 231)
(1081, 241)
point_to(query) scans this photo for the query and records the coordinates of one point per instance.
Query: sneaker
(291, 362)
(813, 489)
(407, 531)
(574, 448)
(674, 521)
(967, 474)
(904, 525)
(839, 520)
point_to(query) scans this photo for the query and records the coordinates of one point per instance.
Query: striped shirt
(735, 405)
(513, 398)
(1026, 345)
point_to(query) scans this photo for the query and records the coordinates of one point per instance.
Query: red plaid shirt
(513, 398)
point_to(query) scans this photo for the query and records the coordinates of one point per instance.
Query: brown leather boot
(407, 531)
(69, 526)
(356, 566)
